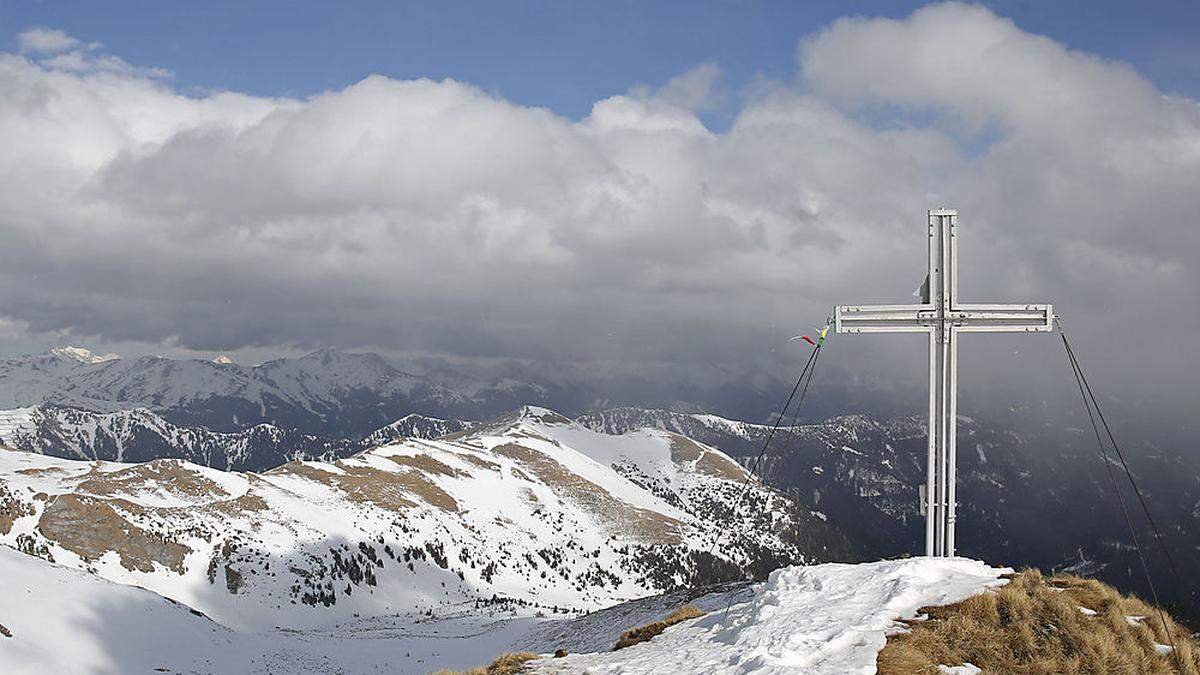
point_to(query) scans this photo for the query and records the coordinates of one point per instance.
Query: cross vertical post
(943, 318)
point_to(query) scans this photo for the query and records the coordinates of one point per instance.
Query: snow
(66, 621)
(597, 453)
(314, 383)
(83, 355)
(831, 618)
(14, 422)
(964, 669)
(128, 434)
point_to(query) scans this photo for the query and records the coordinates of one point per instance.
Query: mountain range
(859, 471)
(531, 510)
(332, 393)
(139, 435)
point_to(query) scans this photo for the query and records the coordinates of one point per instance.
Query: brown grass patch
(11, 508)
(478, 461)
(641, 523)
(712, 464)
(170, 475)
(1034, 625)
(427, 464)
(709, 463)
(684, 449)
(634, 636)
(245, 504)
(507, 664)
(40, 471)
(91, 527)
(456, 436)
(389, 490)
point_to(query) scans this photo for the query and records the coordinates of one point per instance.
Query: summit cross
(943, 317)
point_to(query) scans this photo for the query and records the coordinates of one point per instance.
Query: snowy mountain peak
(82, 355)
(223, 360)
(535, 413)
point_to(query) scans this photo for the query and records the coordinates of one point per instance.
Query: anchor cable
(804, 392)
(1080, 381)
(1129, 475)
(805, 379)
(753, 472)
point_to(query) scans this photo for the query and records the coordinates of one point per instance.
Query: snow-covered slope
(827, 619)
(823, 619)
(61, 620)
(66, 621)
(534, 512)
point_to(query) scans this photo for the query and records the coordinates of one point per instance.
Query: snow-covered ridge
(139, 435)
(327, 392)
(537, 509)
(220, 395)
(414, 426)
(703, 426)
(832, 618)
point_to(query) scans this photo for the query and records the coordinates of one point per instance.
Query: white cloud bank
(432, 215)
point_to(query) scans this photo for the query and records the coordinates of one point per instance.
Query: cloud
(56, 50)
(432, 215)
(38, 40)
(696, 90)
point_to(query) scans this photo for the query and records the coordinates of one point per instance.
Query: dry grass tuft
(635, 635)
(1035, 625)
(508, 664)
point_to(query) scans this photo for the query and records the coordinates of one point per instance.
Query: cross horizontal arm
(972, 318)
(975, 318)
(880, 318)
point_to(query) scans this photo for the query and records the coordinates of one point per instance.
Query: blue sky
(561, 55)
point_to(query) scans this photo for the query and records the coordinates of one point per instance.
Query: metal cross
(943, 317)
